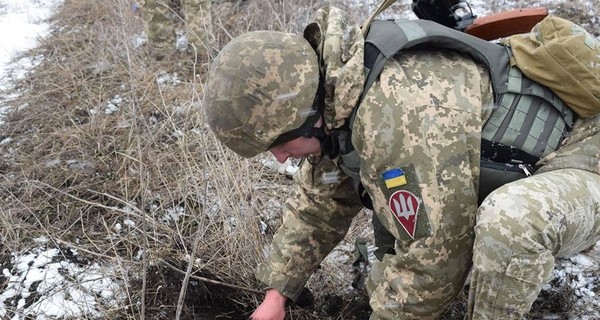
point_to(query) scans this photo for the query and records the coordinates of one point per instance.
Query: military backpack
(565, 58)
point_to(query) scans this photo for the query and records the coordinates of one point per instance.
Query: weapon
(457, 14)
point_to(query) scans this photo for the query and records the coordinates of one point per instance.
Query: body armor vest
(528, 120)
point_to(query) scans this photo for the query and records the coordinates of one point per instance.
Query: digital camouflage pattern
(521, 228)
(340, 44)
(436, 103)
(161, 18)
(319, 214)
(581, 150)
(424, 116)
(261, 85)
(315, 219)
(388, 105)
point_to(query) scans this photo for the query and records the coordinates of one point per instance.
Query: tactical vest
(528, 120)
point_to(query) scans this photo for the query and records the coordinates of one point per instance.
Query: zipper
(524, 168)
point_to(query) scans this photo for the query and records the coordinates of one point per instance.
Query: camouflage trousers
(409, 285)
(520, 229)
(161, 18)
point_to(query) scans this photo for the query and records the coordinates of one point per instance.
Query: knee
(509, 226)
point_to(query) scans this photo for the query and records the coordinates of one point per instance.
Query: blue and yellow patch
(394, 178)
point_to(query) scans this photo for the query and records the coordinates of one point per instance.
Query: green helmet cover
(261, 85)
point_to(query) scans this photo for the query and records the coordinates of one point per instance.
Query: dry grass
(72, 171)
(97, 138)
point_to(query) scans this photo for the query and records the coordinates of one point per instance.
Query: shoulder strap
(382, 6)
(386, 38)
(391, 36)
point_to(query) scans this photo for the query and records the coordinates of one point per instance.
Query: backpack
(570, 53)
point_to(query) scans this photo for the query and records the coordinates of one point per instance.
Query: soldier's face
(297, 148)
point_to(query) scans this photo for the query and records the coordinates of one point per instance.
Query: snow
(579, 273)
(50, 281)
(22, 22)
(288, 168)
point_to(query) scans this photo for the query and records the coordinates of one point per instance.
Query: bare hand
(272, 307)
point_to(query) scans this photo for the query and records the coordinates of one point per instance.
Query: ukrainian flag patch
(394, 178)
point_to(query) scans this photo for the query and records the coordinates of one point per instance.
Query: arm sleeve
(315, 219)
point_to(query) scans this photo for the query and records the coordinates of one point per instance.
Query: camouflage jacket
(581, 150)
(318, 215)
(417, 132)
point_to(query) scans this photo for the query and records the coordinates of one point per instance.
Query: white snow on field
(49, 282)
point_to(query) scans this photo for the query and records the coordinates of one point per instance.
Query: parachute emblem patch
(404, 206)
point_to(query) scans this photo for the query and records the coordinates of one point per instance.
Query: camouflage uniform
(422, 119)
(162, 16)
(523, 226)
(423, 116)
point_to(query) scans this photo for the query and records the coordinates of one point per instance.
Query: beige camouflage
(319, 214)
(315, 219)
(340, 44)
(312, 207)
(424, 115)
(523, 226)
(161, 18)
(261, 85)
(435, 102)
(581, 150)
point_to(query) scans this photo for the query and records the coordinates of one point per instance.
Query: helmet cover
(261, 85)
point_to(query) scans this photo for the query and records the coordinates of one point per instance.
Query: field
(117, 201)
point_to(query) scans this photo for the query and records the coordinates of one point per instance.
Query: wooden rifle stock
(507, 23)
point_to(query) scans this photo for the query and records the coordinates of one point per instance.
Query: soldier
(162, 16)
(417, 133)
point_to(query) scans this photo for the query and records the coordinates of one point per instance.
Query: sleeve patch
(394, 178)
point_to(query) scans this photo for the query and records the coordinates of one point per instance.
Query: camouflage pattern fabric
(319, 213)
(418, 134)
(581, 150)
(316, 218)
(198, 25)
(248, 110)
(161, 18)
(340, 44)
(297, 250)
(424, 117)
(523, 226)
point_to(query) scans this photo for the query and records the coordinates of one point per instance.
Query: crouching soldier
(416, 142)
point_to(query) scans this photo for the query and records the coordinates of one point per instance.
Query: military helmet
(261, 90)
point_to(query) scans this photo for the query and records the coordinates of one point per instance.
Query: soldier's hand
(272, 307)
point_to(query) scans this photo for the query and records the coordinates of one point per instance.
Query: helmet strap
(308, 129)
(329, 145)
